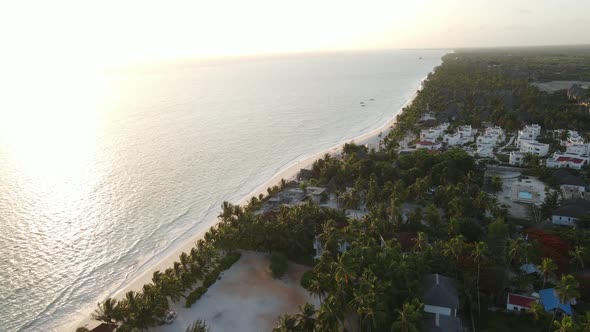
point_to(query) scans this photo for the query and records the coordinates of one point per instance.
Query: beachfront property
(516, 158)
(570, 212)
(567, 160)
(428, 145)
(315, 194)
(434, 133)
(534, 147)
(463, 135)
(515, 302)
(441, 303)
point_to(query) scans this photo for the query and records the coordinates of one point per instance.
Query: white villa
(528, 133)
(428, 145)
(452, 139)
(567, 160)
(485, 151)
(516, 158)
(534, 147)
(431, 134)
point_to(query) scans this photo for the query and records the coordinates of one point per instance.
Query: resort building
(315, 193)
(567, 160)
(516, 158)
(534, 147)
(573, 137)
(581, 149)
(516, 302)
(428, 145)
(441, 303)
(485, 151)
(570, 212)
(467, 133)
(430, 135)
(529, 133)
(452, 139)
(496, 131)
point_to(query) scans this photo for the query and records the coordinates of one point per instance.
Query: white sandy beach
(289, 172)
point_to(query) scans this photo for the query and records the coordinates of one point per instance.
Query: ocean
(103, 174)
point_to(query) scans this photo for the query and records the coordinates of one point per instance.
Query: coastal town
(470, 214)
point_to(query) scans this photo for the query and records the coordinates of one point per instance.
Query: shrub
(278, 264)
(194, 296)
(306, 279)
(229, 259)
(211, 277)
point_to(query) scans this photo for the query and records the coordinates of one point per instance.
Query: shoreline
(288, 172)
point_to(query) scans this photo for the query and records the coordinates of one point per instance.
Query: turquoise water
(102, 176)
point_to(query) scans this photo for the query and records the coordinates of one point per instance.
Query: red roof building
(519, 302)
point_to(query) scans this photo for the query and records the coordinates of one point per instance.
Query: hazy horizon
(100, 34)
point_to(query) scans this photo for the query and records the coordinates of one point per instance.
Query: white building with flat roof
(452, 139)
(529, 133)
(567, 160)
(485, 151)
(516, 158)
(534, 147)
(581, 149)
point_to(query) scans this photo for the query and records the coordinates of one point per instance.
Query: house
(315, 193)
(570, 212)
(516, 302)
(485, 151)
(571, 186)
(534, 147)
(529, 133)
(551, 302)
(441, 303)
(567, 160)
(578, 148)
(496, 131)
(428, 145)
(467, 133)
(516, 158)
(529, 268)
(427, 116)
(452, 139)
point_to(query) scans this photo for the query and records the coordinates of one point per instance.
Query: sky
(106, 32)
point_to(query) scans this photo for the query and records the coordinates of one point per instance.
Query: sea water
(102, 174)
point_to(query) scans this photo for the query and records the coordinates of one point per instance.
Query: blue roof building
(550, 301)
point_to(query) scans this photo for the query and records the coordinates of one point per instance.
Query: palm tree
(537, 310)
(409, 318)
(107, 311)
(454, 248)
(479, 252)
(306, 318)
(547, 268)
(198, 326)
(578, 255)
(567, 288)
(287, 323)
(566, 324)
